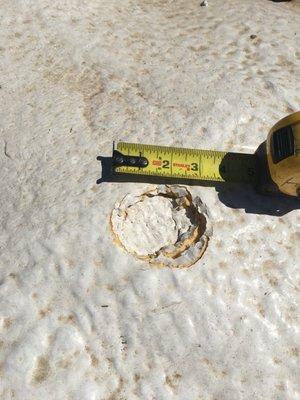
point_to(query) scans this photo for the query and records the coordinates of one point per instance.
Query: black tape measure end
(121, 160)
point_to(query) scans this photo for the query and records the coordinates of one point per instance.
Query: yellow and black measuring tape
(182, 163)
(273, 168)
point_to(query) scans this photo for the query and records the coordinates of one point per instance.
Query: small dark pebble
(253, 36)
(105, 305)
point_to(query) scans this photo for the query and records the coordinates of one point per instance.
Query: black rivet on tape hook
(121, 160)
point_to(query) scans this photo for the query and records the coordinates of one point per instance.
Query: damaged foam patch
(164, 226)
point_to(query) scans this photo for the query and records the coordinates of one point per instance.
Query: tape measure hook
(121, 160)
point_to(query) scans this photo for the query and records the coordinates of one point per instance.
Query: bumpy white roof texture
(82, 318)
(164, 226)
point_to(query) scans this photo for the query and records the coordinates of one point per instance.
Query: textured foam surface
(80, 318)
(164, 226)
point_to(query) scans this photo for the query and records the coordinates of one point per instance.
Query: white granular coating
(149, 226)
(170, 231)
(80, 318)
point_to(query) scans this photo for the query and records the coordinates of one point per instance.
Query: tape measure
(273, 169)
(183, 163)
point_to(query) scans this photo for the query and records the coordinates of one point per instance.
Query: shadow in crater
(261, 197)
